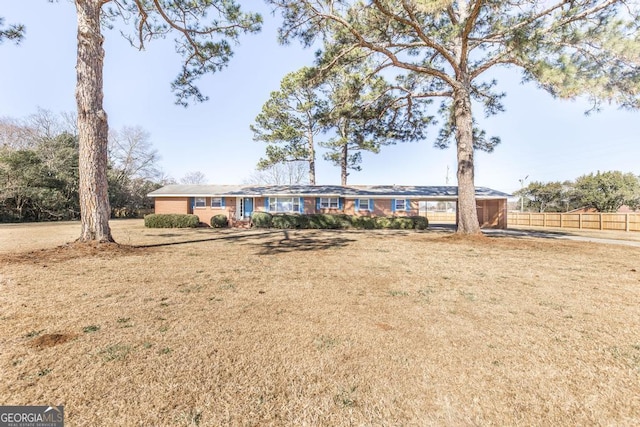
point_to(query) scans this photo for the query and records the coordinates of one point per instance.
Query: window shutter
(192, 202)
(407, 205)
(371, 205)
(301, 207)
(340, 203)
(357, 205)
(222, 205)
(317, 203)
(393, 205)
(266, 204)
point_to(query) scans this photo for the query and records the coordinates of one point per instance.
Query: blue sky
(543, 138)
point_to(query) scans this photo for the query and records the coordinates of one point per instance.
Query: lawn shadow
(235, 236)
(309, 241)
(525, 234)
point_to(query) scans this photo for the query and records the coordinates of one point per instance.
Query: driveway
(595, 236)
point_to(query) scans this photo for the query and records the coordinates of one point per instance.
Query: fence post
(544, 219)
(561, 218)
(580, 221)
(601, 221)
(626, 222)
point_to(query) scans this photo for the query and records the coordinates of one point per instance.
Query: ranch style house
(238, 202)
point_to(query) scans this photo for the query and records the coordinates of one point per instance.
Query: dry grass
(319, 328)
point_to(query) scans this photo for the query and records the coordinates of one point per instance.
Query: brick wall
(171, 205)
(205, 213)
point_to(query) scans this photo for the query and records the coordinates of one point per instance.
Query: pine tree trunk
(344, 158)
(92, 125)
(312, 160)
(467, 211)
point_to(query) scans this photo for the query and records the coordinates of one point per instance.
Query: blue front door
(248, 207)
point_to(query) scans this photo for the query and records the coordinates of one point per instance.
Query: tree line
(602, 191)
(39, 177)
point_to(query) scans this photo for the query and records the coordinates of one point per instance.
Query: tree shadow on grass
(233, 236)
(309, 241)
(525, 234)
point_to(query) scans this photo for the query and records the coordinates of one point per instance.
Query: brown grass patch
(222, 327)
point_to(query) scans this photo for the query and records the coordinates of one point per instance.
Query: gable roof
(353, 191)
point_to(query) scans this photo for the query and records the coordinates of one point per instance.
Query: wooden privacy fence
(441, 217)
(581, 221)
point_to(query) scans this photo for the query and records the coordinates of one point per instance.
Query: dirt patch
(71, 251)
(51, 340)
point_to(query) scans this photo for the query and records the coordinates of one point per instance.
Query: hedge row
(171, 221)
(337, 221)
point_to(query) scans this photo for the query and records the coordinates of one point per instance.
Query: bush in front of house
(329, 221)
(289, 221)
(383, 222)
(403, 223)
(420, 222)
(363, 222)
(171, 221)
(337, 221)
(261, 219)
(219, 221)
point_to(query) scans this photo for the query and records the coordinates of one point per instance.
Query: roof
(378, 191)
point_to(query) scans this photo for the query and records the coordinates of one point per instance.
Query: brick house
(238, 202)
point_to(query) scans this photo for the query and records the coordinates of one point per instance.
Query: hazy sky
(543, 138)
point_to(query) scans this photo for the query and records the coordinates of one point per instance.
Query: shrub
(261, 219)
(324, 221)
(420, 222)
(287, 221)
(219, 221)
(364, 222)
(171, 221)
(383, 222)
(403, 223)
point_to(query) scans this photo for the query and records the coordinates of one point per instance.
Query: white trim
(216, 207)
(329, 200)
(360, 208)
(295, 202)
(195, 203)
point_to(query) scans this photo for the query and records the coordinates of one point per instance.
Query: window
(216, 203)
(363, 205)
(401, 205)
(200, 202)
(329, 203)
(284, 204)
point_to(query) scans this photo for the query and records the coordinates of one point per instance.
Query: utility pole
(447, 177)
(522, 180)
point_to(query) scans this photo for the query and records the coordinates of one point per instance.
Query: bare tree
(195, 177)
(132, 155)
(289, 173)
(30, 131)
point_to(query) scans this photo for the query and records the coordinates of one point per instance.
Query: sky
(543, 139)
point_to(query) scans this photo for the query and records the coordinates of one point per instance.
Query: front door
(248, 207)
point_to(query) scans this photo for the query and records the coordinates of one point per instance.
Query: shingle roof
(380, 191)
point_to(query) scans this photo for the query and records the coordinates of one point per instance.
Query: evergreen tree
(290, 121)
(205, 28)
(570, 48)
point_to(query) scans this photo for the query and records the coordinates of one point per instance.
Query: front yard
(226, 327)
